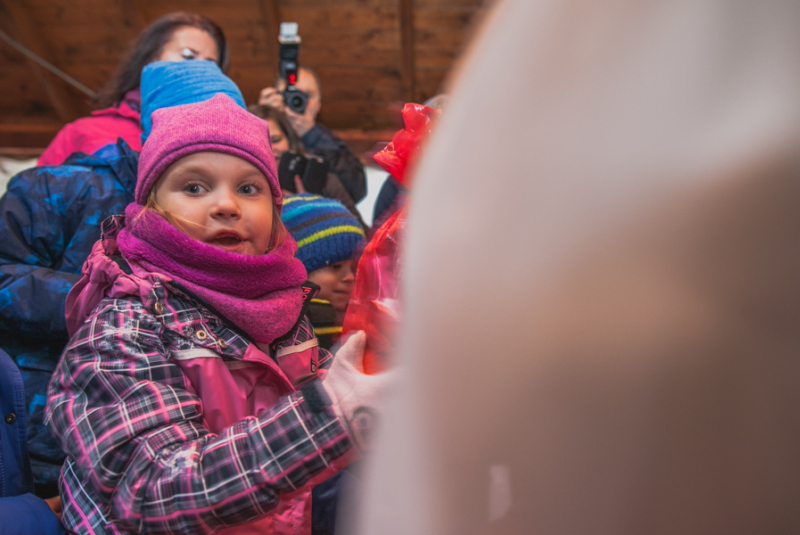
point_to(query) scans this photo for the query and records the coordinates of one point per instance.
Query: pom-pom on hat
(216, 125)
(173, 83)
(325, 231)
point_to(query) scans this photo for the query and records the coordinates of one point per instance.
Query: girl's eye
(193, 189)
(275, 140)
(248, 189)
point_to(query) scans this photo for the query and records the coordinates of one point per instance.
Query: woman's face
(189, 43)
(278, 140)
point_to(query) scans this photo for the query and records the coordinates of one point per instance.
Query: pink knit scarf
(260, 294)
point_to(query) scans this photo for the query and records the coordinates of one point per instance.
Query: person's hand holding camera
(301, 123)
(271, 97)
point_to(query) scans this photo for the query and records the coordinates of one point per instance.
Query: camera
(289, 51)
(295, 99)
(312, 170)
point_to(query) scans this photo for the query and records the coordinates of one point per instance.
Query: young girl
(187, 400)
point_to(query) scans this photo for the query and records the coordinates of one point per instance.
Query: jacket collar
(188, 317)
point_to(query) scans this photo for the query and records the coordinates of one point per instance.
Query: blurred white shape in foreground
(602, 288)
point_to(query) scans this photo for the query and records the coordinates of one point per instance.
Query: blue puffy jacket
(20, 511)
(49, 219)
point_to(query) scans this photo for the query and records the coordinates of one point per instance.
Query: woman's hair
(148, 47)
(277, 235)
(270, 113)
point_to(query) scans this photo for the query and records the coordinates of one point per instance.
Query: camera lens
(296, 100)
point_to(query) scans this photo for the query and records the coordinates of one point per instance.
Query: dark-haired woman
(176, 36)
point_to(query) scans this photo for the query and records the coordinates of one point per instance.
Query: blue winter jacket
(20, 511)
(49, 219)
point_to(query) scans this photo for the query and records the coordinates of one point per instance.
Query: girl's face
(220, 200)
(278, 140)
(189, 43)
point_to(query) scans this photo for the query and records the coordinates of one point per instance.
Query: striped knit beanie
(325, 231)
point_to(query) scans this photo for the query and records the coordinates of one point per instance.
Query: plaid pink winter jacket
(174, 422)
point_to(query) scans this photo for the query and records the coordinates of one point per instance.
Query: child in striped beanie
(327, 237)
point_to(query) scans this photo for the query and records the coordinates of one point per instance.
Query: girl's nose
(226, 206)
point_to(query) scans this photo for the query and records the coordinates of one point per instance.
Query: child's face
(335, 283)
(220, 200)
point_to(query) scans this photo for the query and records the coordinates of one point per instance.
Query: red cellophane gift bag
(374, 306)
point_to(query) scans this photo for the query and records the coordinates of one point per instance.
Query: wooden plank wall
(370, 55)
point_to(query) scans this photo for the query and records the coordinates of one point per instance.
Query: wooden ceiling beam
(409, 66)
(22, 29)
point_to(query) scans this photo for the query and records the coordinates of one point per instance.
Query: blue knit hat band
(173, 83)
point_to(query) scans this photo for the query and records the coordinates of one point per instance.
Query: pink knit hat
(217, 125)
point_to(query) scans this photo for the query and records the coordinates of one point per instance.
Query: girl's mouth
(226, 241)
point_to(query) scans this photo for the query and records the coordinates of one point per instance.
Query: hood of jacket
(105, 274)
(120, 158)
